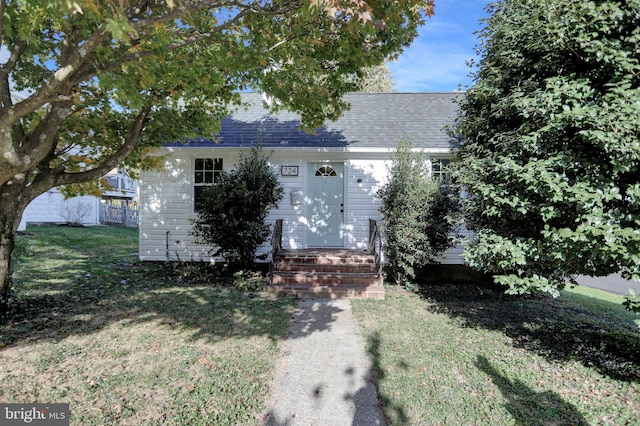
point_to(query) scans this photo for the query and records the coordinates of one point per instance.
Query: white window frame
(438, 168)
(204, 180)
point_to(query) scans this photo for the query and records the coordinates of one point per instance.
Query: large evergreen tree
(551, 142)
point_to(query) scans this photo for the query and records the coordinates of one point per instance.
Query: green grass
(133, 343)
(129, 343)
(468, 355)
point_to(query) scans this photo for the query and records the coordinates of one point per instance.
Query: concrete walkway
(324, 376)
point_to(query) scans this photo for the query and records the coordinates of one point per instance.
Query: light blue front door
(325, 205)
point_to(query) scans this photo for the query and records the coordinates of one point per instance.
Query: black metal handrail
(375, 244)
(276, 245)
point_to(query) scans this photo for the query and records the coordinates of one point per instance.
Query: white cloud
(429, 68)
(437, 60)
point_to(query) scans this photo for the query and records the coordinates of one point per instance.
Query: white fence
(120, 215)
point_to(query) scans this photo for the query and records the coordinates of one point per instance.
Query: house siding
(51, 207)
(166, 211)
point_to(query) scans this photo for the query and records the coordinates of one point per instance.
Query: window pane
(440, 169)
(206, 172)
(326, 171)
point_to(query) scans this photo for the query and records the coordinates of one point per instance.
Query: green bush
(233, 212)
(418, 214)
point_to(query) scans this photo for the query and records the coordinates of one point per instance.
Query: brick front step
(324, 256)
(322, 278)
(329, 291)
(329, 273)
(353, 268)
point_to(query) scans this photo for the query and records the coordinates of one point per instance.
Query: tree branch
(34, 149)
(3, 5)
(49, 89)
(133, 135)
(190, 40)
(14, 56)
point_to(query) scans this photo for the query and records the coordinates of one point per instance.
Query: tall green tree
(376, 78)
(550, 157)
(105, 81)
(418, 214)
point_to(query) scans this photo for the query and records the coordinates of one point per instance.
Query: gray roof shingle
(375, 120)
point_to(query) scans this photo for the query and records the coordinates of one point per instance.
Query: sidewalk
(324, 375)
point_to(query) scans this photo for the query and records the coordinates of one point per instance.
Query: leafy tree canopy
(376, 78)
(551, 152)
(108, 80)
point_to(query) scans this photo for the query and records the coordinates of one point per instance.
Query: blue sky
(436, 61)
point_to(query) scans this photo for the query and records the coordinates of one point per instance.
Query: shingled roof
(375, 120)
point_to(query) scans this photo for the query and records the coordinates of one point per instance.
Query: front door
(325, 205)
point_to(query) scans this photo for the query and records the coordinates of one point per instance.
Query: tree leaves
(114, 79)
(551, 157)
(417, 214)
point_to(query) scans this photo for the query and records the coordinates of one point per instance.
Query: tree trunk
(11, 210)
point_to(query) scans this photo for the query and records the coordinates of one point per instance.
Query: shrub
(232, 216)
(417, 213)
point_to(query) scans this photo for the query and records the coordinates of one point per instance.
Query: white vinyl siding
(167, 200)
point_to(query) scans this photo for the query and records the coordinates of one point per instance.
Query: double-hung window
(440, 169)
(206, 172)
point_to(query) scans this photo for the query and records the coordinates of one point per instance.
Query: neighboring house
(330, 178)
(51, 207)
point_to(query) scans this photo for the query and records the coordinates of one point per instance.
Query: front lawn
(133, 343)
(468, 355)
(123, 343)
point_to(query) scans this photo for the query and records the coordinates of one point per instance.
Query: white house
(330, 178)
(52, 207)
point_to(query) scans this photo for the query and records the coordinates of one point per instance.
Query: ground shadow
(529, 407)
(333, 391)
(141, 292)
(558, 329)
(393, 412)
(312, 320)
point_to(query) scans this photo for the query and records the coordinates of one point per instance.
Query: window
(206, 172)
(326, 171)
(440, 169)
